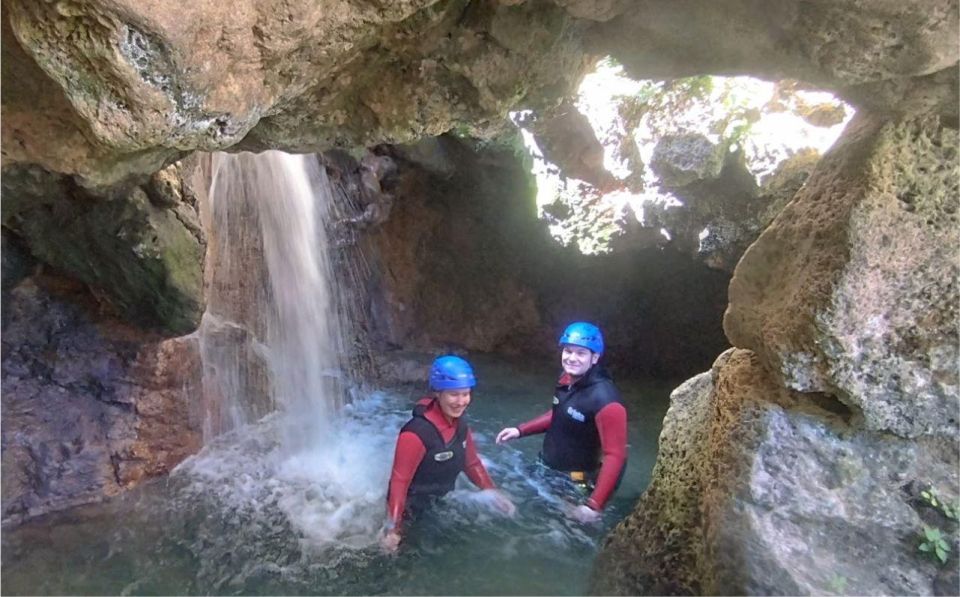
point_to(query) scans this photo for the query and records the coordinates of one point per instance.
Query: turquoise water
(244, 518)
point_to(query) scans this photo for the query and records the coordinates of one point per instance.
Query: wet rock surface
(90, 405)
(140, 248)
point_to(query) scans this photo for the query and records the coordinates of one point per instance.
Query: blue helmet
(581, 333)
(451, 373)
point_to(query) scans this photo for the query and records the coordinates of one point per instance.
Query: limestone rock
(852, 290)
(142, 82)
(141, 258)
(680, 160)
(165, 188)
(90, 406)
(832, 44)
(725, 215)
(758, 490)
(400, 367)
(432, 154)
(566, 139)
(105, 90)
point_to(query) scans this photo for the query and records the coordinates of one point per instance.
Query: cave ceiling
(108, 90)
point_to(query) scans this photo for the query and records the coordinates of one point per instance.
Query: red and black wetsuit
(586, 431)
(431, 452)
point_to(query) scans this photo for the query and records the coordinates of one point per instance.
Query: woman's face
(577, 360)
(453, 403)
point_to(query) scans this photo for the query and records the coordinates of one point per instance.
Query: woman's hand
(506, 434)
(502, 502)
(584, 514)
(390, 541)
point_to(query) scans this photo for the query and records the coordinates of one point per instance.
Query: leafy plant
(934, 543)
(930, 497)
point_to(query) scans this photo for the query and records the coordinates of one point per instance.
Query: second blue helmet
(451, 373)
(581, 333)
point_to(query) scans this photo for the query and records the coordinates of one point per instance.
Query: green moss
(138, 258)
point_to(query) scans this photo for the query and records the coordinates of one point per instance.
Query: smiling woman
(433, 448)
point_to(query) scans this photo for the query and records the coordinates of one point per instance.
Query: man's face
(577, 360)
(453, 403)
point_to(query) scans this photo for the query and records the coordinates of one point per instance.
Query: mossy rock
(143, 260)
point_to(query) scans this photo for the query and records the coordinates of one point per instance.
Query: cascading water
(272, 307)
(303, 332)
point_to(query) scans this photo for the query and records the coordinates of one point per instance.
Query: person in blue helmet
(434, 447)
(586, 429)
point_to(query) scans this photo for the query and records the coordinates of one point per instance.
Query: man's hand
(584, 514)
(506, 434)
(390, 541)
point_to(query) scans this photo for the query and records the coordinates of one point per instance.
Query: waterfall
(271, 303)
(283, 448)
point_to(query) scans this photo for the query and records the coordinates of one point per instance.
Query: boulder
(852, 290)
(680, 160)
(759, 490)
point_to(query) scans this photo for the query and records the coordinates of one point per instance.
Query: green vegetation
(935, 543)
(929, 496)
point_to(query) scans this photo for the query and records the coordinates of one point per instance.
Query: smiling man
(586, 430)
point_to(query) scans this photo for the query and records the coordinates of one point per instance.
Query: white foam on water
(331, 494)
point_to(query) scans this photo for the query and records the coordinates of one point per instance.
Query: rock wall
(866, 253)
(463, 262)
(139, 248)
(91, 406)
(792, 467)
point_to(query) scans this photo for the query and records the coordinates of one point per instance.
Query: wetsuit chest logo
(443, 456)
(556, 400)
(576, 414)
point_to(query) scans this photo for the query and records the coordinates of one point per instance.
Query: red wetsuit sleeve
(612, 425)
(535, 426)
(406, 459)
(474, 466)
